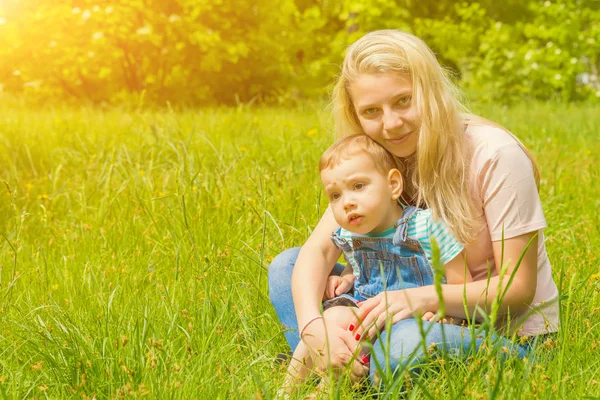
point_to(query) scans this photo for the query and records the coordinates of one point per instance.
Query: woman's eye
(369, 112)
(403, 101)
(359, 186)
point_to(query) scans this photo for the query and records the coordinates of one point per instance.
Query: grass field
(135, 247)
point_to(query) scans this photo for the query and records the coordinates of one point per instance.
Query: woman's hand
(332, 345)
(396, 305)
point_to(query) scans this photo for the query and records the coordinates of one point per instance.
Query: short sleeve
(450, 247)
(511, 201)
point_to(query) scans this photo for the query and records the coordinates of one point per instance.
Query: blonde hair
(440, 169)
(358, 144)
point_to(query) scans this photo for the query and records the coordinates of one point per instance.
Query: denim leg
(280, 292)
(406, 349)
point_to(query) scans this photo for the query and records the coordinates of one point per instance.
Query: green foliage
(540, 58)
(226, 52)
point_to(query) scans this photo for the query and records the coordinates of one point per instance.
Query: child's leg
(301, 362)
(300, 366)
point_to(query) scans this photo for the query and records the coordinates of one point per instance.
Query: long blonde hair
(441, 168)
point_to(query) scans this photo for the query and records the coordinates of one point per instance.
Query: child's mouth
(355, 219)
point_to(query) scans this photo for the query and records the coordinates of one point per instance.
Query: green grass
(134, 250)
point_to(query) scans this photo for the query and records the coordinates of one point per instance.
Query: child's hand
(337, 285)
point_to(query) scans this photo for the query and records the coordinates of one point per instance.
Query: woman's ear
(396, 183)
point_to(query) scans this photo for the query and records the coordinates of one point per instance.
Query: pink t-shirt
(502, 179)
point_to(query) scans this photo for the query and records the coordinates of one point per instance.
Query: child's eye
(334, 196)
(359, 186)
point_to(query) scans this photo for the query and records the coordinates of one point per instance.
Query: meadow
(135, 244)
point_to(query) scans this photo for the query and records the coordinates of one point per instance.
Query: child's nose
(349, 203)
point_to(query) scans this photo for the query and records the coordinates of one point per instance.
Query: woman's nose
(391, 121)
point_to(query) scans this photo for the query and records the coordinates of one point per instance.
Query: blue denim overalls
(384, 263)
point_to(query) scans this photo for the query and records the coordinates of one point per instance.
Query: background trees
(227, 51)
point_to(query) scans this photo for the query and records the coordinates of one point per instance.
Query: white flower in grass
(528, 55)
(16, 72)
(598, 93)
(108, 9)
(549, 44)
(535, 66)
(96, 8)
(558, 77)
(174, 18)
(97, 35)
(557, 51)
(547, 3)
(573, 60)
(86, 15)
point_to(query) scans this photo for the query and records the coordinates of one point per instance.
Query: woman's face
(384, 106)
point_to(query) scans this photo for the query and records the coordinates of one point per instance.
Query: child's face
(362, 198)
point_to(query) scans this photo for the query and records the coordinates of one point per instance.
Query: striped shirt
(422, 227)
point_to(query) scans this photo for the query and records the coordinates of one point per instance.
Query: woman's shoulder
(490, 141)
(483, 133)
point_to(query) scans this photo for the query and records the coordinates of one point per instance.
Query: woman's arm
(402, 304)
(329, 343)
(313, 265)
(517, 297)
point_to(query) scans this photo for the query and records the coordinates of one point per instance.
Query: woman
(473, 174)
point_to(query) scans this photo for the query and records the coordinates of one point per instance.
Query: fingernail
(357, 337)
(364, 359)
(351, 327)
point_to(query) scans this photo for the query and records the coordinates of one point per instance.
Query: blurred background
(200, 52)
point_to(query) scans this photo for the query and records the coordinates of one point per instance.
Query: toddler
(387, 245)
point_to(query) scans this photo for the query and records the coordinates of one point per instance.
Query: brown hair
(360, 143)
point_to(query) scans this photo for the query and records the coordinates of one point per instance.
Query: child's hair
(349, 146)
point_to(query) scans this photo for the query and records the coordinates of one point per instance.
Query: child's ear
(396, 183)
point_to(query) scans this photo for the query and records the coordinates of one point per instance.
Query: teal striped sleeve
(450, 247)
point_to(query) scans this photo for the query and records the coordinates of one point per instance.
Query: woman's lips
(400, 139)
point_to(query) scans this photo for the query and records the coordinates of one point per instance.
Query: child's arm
(457, 271)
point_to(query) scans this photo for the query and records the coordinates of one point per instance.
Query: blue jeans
(405, 347)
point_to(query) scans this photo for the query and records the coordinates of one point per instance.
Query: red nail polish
(364, 359)
(357, 337)
(351, 327)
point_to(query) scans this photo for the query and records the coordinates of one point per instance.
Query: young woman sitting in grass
(472, 174)
(387, 245)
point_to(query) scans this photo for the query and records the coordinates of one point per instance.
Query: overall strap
(402, 225)
(338, 241)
